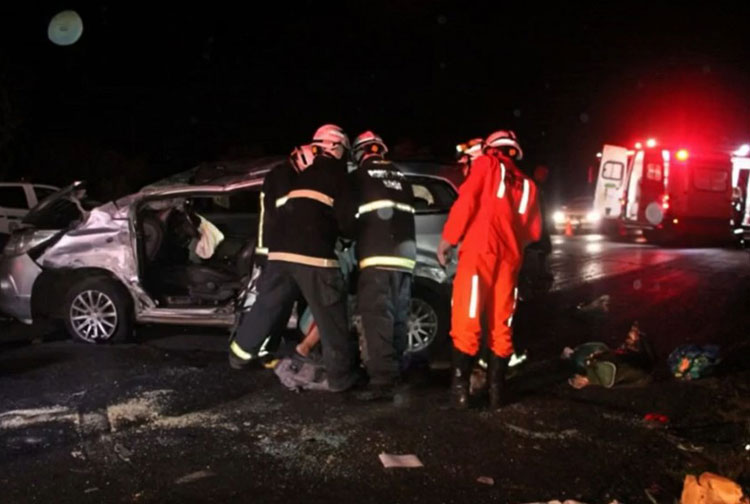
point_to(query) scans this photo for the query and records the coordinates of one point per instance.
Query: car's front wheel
(98, 310)
(429, 324)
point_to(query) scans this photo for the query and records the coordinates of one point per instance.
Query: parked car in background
(578, 215)
(16, 198)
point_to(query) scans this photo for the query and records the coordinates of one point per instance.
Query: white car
(16, 198)
(102, 269)
(577, 215)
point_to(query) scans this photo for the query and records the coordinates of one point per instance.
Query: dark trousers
(325, 292)
(383, 298)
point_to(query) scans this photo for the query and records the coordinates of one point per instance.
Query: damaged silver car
(103, 269)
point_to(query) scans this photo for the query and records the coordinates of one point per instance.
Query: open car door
(612, 182)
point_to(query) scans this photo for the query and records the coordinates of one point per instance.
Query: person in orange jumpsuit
(495, 216)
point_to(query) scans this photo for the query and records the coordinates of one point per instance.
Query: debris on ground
(690, 448)
(595, 363)
(91, 490)
(198, 475)
(404, 461)
(711, 488)
(22, 418)
(299, 375)
(123, 452)
(655, 419)
(564, 434)
(78, 455)
(199, 419)
(486, 480)
(691, 362)
(140, 409)
(598, 308)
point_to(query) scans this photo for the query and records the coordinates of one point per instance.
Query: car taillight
(665, 202)
(682, 155)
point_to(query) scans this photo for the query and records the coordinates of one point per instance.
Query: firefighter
(386, 254)
(276, 184)
(302, 260)
(495, 216)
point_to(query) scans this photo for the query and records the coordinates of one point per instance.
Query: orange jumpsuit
(495, 216)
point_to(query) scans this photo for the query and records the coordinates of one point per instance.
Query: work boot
(498, 366)
(237, 362)
(460, 374)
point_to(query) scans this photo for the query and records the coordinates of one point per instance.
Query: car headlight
(558, 217)
(593, 216)
(22, 242)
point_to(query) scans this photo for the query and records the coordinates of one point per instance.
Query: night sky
(148, 91)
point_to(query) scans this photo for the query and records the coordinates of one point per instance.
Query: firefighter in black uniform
(277, 183)
(301, 260)
(386, 253)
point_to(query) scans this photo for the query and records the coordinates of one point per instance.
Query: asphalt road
(165, 420)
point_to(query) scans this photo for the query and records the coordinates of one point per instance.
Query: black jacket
(277, 183)
(384, 216)
(308, 215)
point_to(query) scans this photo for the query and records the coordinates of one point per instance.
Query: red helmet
(368, 144)
(331, 139)
(506, 141)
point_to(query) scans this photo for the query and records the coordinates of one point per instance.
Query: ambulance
(665, 193)
(741, 189)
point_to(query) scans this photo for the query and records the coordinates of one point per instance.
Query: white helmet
(331, 140)
(302, 157)
(471, 149)
(505, 140)
(368, 144)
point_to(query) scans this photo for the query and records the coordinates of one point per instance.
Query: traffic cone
(568, 228)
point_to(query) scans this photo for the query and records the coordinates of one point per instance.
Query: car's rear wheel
(98, 310)
(428, 326)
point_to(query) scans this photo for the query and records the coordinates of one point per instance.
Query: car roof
(242, 174)
(222, 173)
(449, 171)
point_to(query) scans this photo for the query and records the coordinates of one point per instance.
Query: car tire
(98, 310)
(429, 326)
